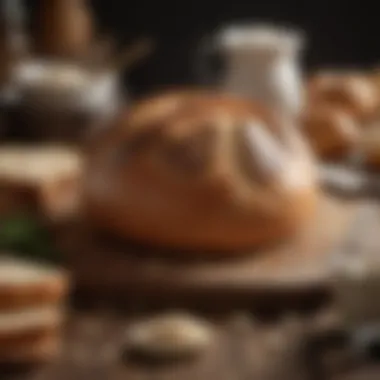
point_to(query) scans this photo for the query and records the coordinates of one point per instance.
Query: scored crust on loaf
(260, 156)
(23, 284)
(200, 170)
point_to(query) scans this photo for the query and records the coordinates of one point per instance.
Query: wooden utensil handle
(65, 28)
(131, 55)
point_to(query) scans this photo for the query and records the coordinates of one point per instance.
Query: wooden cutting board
(292, 271)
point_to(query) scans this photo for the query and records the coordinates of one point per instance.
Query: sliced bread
(26, 321)
(27, 285)
(44, 178)
(16, 337)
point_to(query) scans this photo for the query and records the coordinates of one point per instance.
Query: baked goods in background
(198, 170)
(332, 132)
(32, 310)
(351, 91)
(45, 179)
(370, 146)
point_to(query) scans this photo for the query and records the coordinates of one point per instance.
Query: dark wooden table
(244, 348)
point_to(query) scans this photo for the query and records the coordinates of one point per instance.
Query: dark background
(339, 33)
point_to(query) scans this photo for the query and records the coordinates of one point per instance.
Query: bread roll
(24, 285)
(351, 92)
(370, 146)
(332, 132)
(197, 170)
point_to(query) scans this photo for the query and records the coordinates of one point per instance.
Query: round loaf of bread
(352, 92)
(198, 170)
(332, 132)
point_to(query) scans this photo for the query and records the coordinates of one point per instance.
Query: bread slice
(35, 351)
(26, 285)
(26, 321)
(42, 178)
(18, 336)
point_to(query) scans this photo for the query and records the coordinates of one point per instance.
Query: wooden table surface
(244, 348)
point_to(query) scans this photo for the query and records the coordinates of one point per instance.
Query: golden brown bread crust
(45, 292)
(352, 92)
(200, 170)
(331, 132)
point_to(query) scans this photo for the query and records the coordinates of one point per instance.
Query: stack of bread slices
(32, 302)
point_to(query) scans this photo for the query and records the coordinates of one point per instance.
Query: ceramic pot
(64, 100)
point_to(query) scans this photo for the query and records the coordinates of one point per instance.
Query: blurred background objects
(341, 34)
